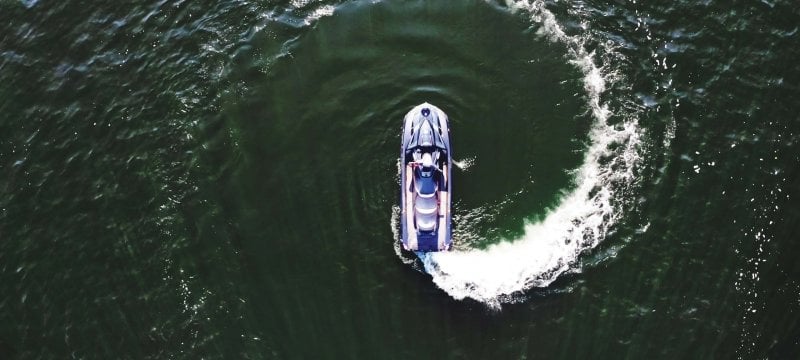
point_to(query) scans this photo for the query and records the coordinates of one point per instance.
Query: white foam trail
(550, 247)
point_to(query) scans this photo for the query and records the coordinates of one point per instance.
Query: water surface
(219, 180)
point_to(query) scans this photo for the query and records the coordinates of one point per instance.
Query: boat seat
(426, 207)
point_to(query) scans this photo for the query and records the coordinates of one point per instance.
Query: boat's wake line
(581, 220)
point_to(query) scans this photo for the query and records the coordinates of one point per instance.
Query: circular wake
(551, 246)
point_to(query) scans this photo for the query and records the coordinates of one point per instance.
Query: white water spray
(550, 247)
(464, 164)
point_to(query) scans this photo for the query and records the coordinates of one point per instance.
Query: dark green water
(219, 180)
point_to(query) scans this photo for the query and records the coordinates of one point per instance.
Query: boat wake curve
(552, 245)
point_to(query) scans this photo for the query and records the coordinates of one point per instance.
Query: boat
(425, 193)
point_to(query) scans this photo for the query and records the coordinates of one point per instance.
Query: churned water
(219, 179)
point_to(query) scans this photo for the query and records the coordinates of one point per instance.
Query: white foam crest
(313, 10)
(299, 3)
(318, 13)
(551, 246)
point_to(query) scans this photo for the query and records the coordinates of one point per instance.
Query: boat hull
(426, 221)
